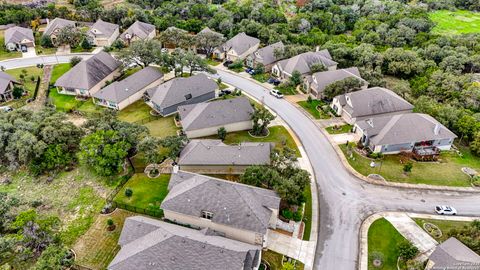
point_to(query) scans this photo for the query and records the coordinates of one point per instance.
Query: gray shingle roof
(304, 61)
(208, 30)
(90, 72)
(375, 100)
(240, 43)
(266, 55)
(5, 80)
(215, 113)
(121, 90)
(232, 204)
(106, 29)
(453, 254)
(215, 152)
(320, 80)
(174, 91)
(150, 244)
(138, 29)
(57, 23)
(404, 128)
(16, 34)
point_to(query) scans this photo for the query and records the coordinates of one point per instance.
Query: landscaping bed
(274, 260)
(444, 225)
(383, 240)
(314, 108)
(339, 129)
(287, 89)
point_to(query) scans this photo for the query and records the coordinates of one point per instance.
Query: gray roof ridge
(252, 209)
(198, 109)
(393, 120)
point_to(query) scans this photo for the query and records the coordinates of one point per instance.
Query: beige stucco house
(237, 48)
(303, 63)
(316, 83)
(19, 38)
(54, 26)
(103, 33)
(138, 31)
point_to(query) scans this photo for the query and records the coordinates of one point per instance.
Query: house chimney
(436, 129)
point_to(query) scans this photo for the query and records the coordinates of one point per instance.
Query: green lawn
(4, 54)
(311, 108)
(455, 22)
(64, 103)
(89, 107)
(286, 89)
(339, 129)
(275, 260)
(383, 239)
(31, 71)
(445, 172)
(444, 225)
(135, 112)
(162, 127)
(307, 215)
(263, 77)
(278, 134)
(147, 193)
(59, 70)
(212, 62)
(97, 247)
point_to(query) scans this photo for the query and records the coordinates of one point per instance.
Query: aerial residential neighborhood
(268, 135)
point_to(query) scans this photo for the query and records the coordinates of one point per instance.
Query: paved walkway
(292, 247)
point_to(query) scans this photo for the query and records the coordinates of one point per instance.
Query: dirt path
(38, 103)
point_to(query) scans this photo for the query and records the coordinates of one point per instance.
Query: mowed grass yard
(64, 103)
(98, 246)
(339, 129)
(444, 225)
(383, 240)
(445, 172)
(31, 71)
(455, 22)
(311, 108)
(148, 193)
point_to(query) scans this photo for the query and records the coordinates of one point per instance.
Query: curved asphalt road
(345, 201)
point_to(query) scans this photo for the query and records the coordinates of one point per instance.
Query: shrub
(46, 42)
(17, 92)
(476, 180)
(407, 251)
(85, 44)
(286, 213)
(376, 155)
(110, 222)
(236, 65)
(222, 133)
(408, 167)
(128, 192)
(309, 99)
(75, 60)
(297, 216)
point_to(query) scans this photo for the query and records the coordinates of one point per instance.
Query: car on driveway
(250, 71)
(276, 93)
(273, 81)
(445, 210)
(6, 109)
(227, 63)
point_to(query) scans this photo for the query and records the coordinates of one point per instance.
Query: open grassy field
(445, 172)
(383, 239)
(455, 22)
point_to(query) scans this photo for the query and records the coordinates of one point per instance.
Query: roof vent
(436, 129)
(173, 258)
(370, 122)
(239, 148)
(126, 89)
(221, 250)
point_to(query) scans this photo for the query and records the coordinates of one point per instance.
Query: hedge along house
(303, 63)
(7, 83)
(19, 38)
(266, 56)
(167, 97)
(205, 119)
(215, 157)
(316, 83)
(368, 103)
(54, 26)
(103, 33)
(138, 31)
(236, 211)
(148, 244)
(409, 132)
(237, 48)
(120, 94)
(89, 76)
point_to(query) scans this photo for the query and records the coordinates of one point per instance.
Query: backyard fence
(147, 120)
(150, 212)
(37, 86)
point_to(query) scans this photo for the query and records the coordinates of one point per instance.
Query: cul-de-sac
(239, 134)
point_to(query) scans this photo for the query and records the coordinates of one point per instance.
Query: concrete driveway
(29, 53)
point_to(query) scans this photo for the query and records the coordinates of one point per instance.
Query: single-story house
(54, 26)
(138, 31)
(302, 63)
(453, 254)
(175, 37)
(120, 94)
(317, 82)
(87, 77)
(409, 132)
(7, 83)
(207, 32)
(237, 48)
(265, 56)
(166, 97)
(204, 119)
(215, 157)
(368, 103)
(236, 211)
(151, 244)
(19, 38)
(103, 33)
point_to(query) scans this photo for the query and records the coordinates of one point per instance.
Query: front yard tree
(69, 35)
(407, 251)
(296, 78)
(208, 41)
(261, 119)
(46, 41)
(344, 86)
(104, 151)
(75, 60)
(194, 62)
(142, 53)
(176, 37)
(150, 147)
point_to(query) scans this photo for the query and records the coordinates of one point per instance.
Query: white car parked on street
(276, 93)
(445, 210)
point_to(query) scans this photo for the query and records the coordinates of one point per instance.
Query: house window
(189, 96)
(207, 215)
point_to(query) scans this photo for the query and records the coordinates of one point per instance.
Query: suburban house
(103, 33)
(174, 32)
(138, 31)
(151, 244)
(54, 26)
(303, 63)
(368, 103)
(237, 48)
(120, 94)
(166, 97)
(7, 83)
(408, 132)
(19, 38)
(265, 56)
(316, 83)
(215, 157)
(453, 254)
(204, 119)
(230, 209)
(206, 30)
(87, 77)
